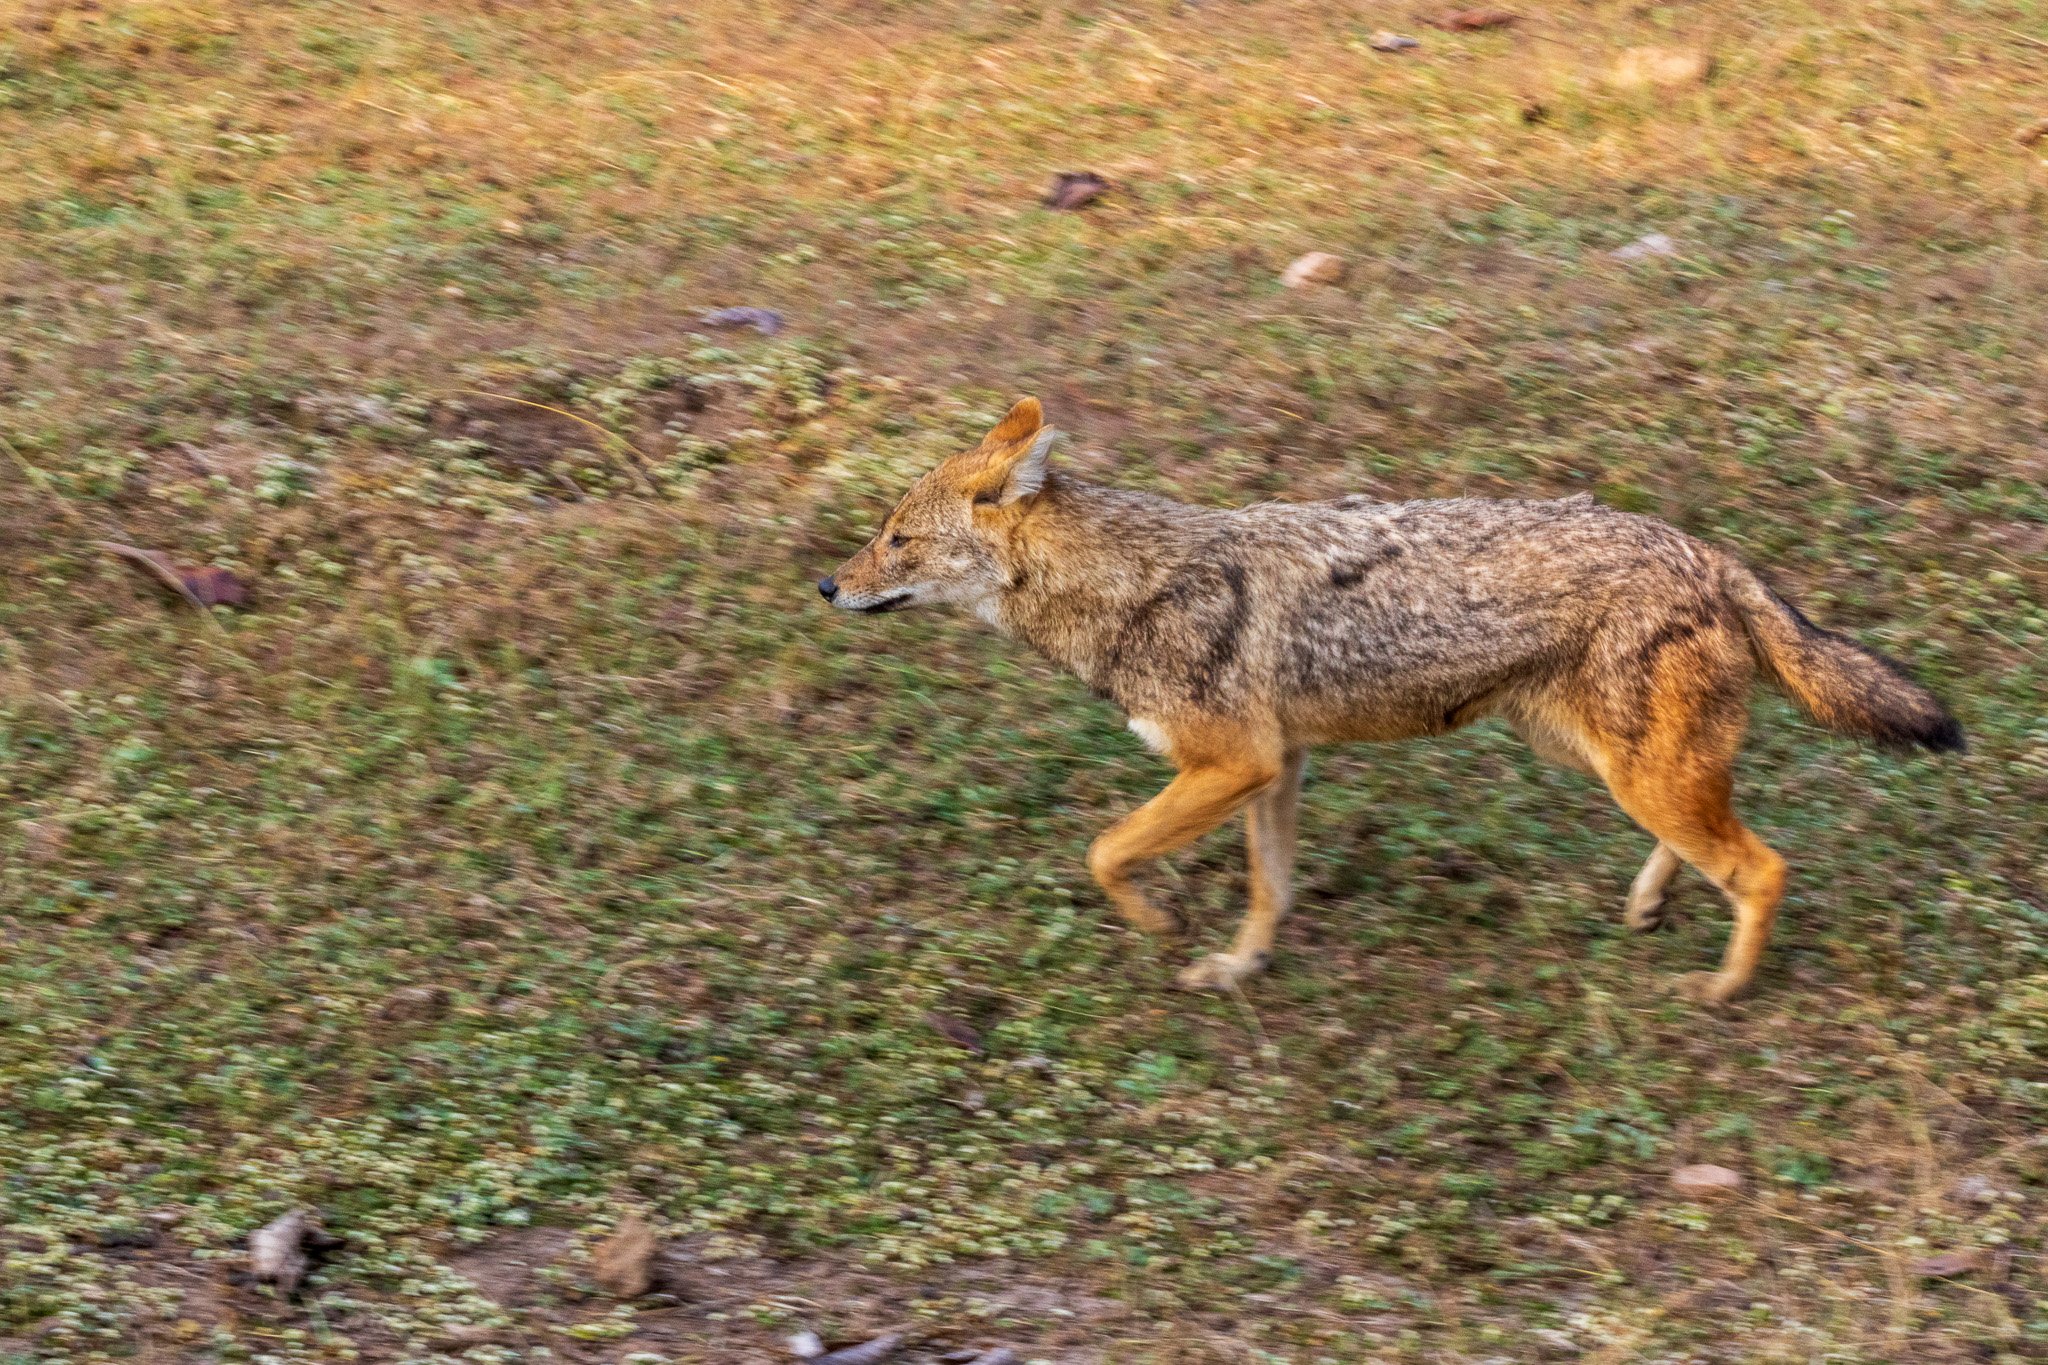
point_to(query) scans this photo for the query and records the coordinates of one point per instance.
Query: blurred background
(434, 802)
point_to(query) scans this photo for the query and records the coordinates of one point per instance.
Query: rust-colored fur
(1236, 639)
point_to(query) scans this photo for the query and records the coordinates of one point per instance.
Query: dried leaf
(1473, 20)
(203, 587)
(278, 1250)
(1948, 1264)
(766, 321)
(1075, 190)
(867, 1353)
(957, 1031)
(1705, 1180)
(623, 1264)
(1317, 267)
(1387, 41)
(415, 1002)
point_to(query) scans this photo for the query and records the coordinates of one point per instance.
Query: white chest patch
(1149, 731)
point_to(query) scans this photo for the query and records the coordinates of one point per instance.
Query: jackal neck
(1082, 562)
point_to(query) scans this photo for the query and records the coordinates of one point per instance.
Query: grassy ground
(534, 850)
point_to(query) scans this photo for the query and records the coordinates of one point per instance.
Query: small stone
(766, 321)
(866, 1352)
(1647, 245)
(1697, 1181)
(1386, 40)
(277, 1250)
(454, 291)
(1976, 1189)
(370, 410)
(1317, 267)
(1660, 68)
(805, 1345)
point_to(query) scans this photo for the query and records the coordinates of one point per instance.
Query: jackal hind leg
(1676, 780)
(1201, 798)
(1644, 911)
(1270, 820)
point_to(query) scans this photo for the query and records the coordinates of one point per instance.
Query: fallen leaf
(1706, 1180)
(957, 1031)
(1075, 190)
(1647, 245)
(120, 1237)
(2033, 133)
(278, 1250)
(623, 1264)
(415, 1002)
(866, 1353)
(1660, 68)
(766, 321)
(1949, 1264)
(1317, 267)
(206, 586)
(42, 840)
(1388, 41)
(1472, 20)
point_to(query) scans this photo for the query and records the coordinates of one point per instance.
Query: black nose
(828, 588)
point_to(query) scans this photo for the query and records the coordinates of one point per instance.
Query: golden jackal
(1235, 639)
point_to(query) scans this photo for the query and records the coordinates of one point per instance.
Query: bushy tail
(1849, 689)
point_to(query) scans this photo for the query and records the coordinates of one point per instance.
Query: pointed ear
(1014, 473)
(1021, 424)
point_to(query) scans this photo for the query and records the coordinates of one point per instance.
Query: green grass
(551, 721)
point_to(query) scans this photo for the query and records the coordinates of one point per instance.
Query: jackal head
(942, 542)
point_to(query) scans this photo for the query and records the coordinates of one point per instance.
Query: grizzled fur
(1236, 639)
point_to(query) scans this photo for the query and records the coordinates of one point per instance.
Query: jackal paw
(1164, 924)
(1707, 988)
(1644, 916)
(1219, 971)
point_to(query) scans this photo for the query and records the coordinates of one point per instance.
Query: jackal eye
(898, 540)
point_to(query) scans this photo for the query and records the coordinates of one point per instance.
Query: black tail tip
(1944, 736)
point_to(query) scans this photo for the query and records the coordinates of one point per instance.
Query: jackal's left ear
(1019, 472)
(1020, 423)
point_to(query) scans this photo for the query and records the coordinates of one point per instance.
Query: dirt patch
(944, 1310)
(511, 436)
(506, 1269)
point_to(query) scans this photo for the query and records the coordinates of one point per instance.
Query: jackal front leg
(1197, 801)
(1269, 826)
